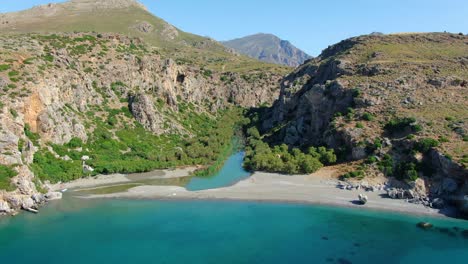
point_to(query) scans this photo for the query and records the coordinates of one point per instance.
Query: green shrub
(20, 144)
(400, 124)
(75, 143)
(13, 73)
(253, 132)
(34, 137)
(13, 113)
(28, 61)
(425, 144)
(47, 167)
(359, 125)
(371, 160)
(443, 139)
(359, 174)
(207, 73)
(6, 173)
(406, 171)
(356, 92)
(4, 67)
(368, 117)
(48, 57)
(386, 165)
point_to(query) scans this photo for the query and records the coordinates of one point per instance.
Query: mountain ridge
(269, 48)
(133, 19)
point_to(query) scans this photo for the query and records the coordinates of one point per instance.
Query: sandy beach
(112, 179)
(318, 188)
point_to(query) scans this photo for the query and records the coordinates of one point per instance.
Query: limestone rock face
(142, 109)
(311, 107)
(4, 207)
(144, 27)
(27, 203)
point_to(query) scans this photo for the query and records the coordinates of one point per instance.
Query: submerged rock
(53, 196)
(424, 225)
(438, 203)
(465, 233)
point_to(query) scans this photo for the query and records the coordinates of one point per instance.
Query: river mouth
(231, 173)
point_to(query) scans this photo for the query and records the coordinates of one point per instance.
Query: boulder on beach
(363, 198)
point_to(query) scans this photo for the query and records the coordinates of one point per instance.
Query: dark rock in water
(356, 244)
(330, 259)
(324, 238)
(465, 234)
(344, 261)
(424, 225)
(446, 231)
(438, 203)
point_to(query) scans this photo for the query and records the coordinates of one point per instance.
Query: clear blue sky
(309, 24)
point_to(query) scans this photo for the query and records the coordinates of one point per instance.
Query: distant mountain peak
(269, 48)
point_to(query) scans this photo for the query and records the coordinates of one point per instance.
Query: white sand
(314, 189)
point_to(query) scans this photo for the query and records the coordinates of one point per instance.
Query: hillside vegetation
(130, 18)
(390, 106)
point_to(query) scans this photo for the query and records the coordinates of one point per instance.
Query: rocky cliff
(55, 88)
(399, 101)
(269, 48)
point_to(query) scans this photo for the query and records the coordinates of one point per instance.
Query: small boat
(31, 210)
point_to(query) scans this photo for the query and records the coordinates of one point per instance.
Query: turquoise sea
(152, 231)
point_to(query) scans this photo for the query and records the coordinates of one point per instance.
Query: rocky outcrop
(142, 109)
(344, 98)
(306, 107)
(4, 207)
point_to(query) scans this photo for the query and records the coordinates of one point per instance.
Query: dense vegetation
(6, 173)
(280, 158)
(133, 149)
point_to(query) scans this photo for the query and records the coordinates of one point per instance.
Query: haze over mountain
(268, 48)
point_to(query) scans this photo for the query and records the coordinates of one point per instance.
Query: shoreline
(315, 189)
(120, 178)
